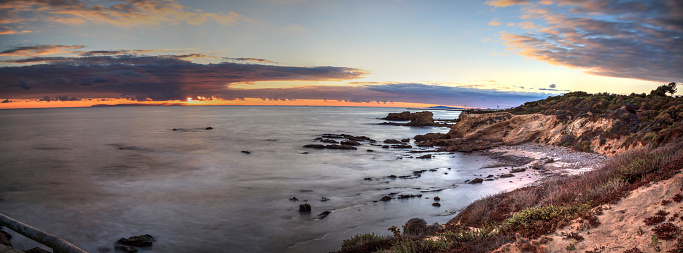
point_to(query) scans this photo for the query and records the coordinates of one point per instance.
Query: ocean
(94, 175)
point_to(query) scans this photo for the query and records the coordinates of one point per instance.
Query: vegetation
(645, 119)
(654, 120)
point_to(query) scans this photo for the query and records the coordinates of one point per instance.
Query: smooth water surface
(93, 175)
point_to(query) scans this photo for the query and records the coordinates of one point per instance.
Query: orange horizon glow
(27, 104)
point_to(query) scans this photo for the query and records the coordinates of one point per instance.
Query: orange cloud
(40, 50)
(495, 22)
(125, 14)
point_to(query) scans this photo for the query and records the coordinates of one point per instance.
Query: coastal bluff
(483, 131)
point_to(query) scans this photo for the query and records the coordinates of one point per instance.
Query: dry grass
(537, 210)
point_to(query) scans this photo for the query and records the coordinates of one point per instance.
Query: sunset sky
(61, 53)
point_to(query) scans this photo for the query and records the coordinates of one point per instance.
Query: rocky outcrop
(403, 116)
(421, 119)
(424, 118)
(483, 131)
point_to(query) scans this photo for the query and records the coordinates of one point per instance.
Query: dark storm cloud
(628, 39)
(147, 77)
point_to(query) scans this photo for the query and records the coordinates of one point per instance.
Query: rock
(293, 199)
(431, 137)
(370, 150)
(408, 196)
(489, 176)
(316, 146)
(436, 204)
(208, 128)
(39, 250)
(323, 199)
(437, 198)
(476, 181)
(125, 248)
(246, 152)
(145, 240)
(350, 143)
(335, 146)
(304, 153)
(398, 116)
(392, 176)
(175, 129)
(424, 157)
(328, 140)
(415, 227)
(385, 198)
(323, 214)
(385, 146)
(305, 208)
(367, 179)
(401, 146)
(517, 170)
(405, 140)
(421, 119)
(392, 141)
(506, 175)
(334, 136)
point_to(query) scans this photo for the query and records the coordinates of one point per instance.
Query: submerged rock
(476, 181)
(385, 198)
(517, 170)
(246, 152)
(392, 141)
(436, 204)
(125, 248)
(145, 240)
(316, 146)
(424, 157)
(208, 128)
(350, 143)
(506, 175)
(437, 198)
(324, 214)
(293, 199)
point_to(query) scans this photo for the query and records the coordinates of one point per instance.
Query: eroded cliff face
(482, 131)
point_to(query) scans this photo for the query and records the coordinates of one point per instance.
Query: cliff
(600, 123)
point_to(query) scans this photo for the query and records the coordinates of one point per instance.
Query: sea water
(94, 175)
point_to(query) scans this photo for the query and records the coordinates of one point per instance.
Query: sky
(401, 53)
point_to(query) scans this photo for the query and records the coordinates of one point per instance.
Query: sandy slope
(622, 225)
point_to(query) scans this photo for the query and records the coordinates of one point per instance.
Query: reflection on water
(93, 175)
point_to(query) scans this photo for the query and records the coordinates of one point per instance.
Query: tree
(662, 90)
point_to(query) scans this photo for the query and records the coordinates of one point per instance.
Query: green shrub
(420, 246)
(639, 166)
(359, 240)
(544, 213)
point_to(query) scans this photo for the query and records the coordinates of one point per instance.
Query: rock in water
(305, 208)
(421, 119)
(125, 248)
(398, 116)
(476, 181)
(323, 214)
(246, 152)
(145, 240)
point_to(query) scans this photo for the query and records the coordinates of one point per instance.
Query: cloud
(4, 30)
(166, 77)
(627, 39)
(552, 86)
(503, 3)
(40, 50)
(121, 13)
(249, 60)
(495, 22)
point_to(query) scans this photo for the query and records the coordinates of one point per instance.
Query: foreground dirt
(622, 224)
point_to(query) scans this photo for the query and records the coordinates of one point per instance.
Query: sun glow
(199, 101)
